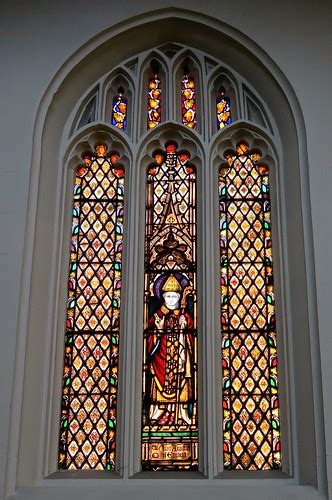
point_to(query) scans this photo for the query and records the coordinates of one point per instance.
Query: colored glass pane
(154, 102)
(169, 428)
(249, 354)
(223, 110)
(188, 101)
(119, 110)
(88, 414)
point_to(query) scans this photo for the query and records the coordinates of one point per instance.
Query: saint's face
(171, 299)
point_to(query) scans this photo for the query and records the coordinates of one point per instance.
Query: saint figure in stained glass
(170, 431)
(170, 345)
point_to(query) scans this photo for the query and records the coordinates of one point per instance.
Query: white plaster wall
(39, 36)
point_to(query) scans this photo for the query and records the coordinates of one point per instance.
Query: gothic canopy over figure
(169, 423)
(170, 346)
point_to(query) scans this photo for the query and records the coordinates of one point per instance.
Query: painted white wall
(38, 38)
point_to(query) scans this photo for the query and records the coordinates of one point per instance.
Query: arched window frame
(24, 473)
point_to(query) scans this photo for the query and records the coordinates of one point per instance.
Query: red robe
(165, 352)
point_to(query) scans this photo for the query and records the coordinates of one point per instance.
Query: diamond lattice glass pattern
(249, 354)
(88, 416)
(169, 428)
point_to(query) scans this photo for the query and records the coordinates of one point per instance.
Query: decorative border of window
(135, 113)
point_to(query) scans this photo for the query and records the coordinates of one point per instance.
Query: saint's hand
(159, 322)
(182, 322)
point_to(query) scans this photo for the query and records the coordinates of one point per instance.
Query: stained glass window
(119, 110)
(88, 414)
(249, 354)
(154, 102)
(169, 428)
(223, 109)
(188, 100)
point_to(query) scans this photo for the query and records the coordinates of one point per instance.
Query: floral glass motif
(223, 109)
(249, 353)
(88, 414)
(154, 102)
(188, 101)
(169, 427)
(119, 110)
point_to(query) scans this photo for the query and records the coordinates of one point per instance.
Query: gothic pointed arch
(283, 127)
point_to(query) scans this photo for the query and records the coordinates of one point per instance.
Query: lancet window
(223, 109)
(170, 423)
(188, 100)
(119, 110)
(90, 377)
(249, 353)
(154, 101)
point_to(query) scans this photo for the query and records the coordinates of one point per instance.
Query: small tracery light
(154, 102)
(188, 100)
(223, 109)
(119, 110)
